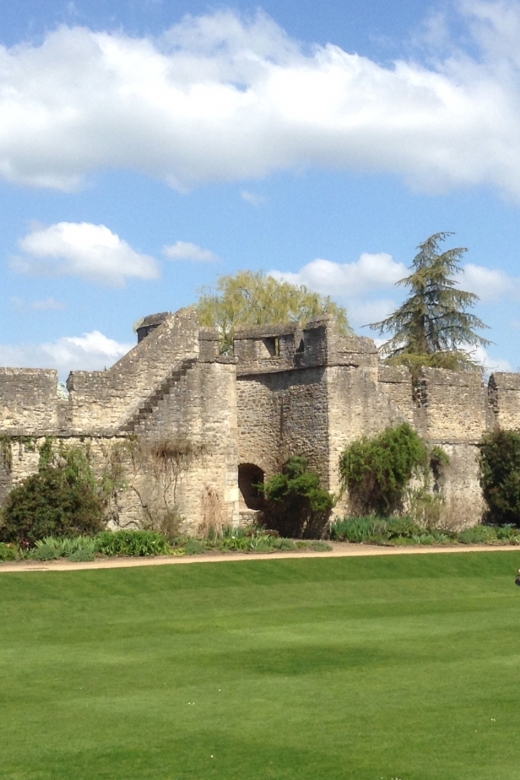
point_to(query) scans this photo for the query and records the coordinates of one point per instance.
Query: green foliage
(62, 499)
(296, 506)
(479, 534)
(8, 552)
(392, 531)
(79, 548)
(357, 529)
(284, 545)
(247, 298)
(195, 547)
(432, 324)
(377, 470)
(318, 546)
(131, 543)
(500, 476)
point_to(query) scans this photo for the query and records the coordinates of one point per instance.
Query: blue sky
(147, 147)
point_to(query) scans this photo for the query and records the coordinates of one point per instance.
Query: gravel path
(340, 550)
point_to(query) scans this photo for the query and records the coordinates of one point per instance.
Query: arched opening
(249, 477)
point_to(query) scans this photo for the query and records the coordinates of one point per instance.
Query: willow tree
(433, 326)
(249, 298)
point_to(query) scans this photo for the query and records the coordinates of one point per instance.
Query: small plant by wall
(500, 476)
(377, 471)
(295, 504)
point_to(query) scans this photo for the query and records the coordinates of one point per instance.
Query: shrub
(357, 529)
(8, 552)
(194, 547)
(402, 527)
(319, 546)
(79, 548)
(60, 500)
(500, 476)
(283, 544)
(131, 543)
(376, 471)
(480, 534)
(295, 504)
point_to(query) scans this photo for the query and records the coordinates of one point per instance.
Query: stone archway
(249, 476)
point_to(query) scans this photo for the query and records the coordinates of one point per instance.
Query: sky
(148, 147)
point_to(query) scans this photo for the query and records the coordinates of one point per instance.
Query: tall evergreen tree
(433, 327)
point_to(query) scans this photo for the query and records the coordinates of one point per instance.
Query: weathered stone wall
(101, 401)
(357, 408)
(28, 400)
(282, 414)
(171, 393)
(201, 408)
(288, 391)
(504, 397)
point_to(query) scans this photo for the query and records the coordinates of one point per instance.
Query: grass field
(369, 668)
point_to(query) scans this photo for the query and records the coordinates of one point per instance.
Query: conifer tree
(433, 327)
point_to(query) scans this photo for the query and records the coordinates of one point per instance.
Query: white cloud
(218, 98)
(90, 352)
(49, 304)
(350, 280)
(490, 364)
(92, 252)
(253, 198)
(490, 284)
(185, 250)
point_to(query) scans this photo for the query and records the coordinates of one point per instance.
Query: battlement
(292, 347)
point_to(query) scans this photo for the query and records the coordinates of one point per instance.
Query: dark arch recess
(249, 476)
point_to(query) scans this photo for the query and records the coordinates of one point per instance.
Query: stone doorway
(249, 476)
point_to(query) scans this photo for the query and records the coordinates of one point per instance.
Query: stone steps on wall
(150, 404)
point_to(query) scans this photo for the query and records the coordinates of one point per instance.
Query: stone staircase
(137, 422)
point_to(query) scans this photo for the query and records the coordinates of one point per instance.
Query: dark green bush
(500, 476)
(295, 504)
(131, 543)
(60, 500)
(377, 470)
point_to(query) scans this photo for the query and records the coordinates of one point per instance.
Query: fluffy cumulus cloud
(91, 252)
(185, 250)
(490, 284)
(348, 280)
(90, 352)
(220, 98)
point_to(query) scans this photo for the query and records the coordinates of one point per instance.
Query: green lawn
(388, 667)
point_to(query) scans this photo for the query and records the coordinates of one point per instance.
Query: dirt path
(339, 551)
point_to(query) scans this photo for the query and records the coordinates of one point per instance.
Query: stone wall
(28, 400)
(287, 391)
